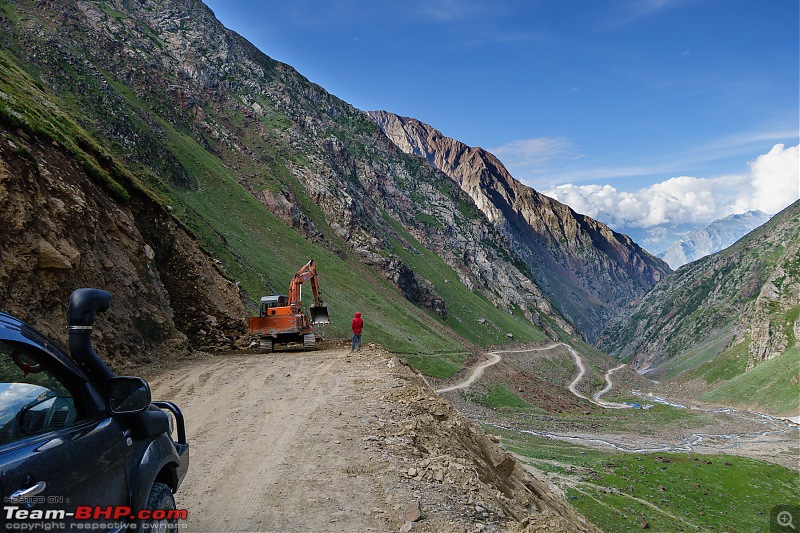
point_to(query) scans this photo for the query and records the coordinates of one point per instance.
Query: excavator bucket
(319, 314)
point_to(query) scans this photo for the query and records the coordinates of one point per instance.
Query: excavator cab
(271, 302)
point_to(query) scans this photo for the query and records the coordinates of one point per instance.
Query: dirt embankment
(61, 230)
(329, 441)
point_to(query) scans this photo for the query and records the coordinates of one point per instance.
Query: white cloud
(545, 162)
(775, 179)
(772, 184)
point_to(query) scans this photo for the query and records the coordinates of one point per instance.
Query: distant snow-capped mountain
(659, 239)
(715, 237)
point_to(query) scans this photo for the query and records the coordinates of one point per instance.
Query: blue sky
(622, 95)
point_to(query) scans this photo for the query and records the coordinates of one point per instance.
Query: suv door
(50, 446)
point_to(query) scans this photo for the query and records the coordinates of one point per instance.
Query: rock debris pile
(462, 479)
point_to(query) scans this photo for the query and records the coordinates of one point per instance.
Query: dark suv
(77, 443)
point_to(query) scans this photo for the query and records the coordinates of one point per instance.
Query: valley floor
(667, 464)
(670, 425)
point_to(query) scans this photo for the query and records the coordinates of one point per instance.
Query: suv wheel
(160, 498)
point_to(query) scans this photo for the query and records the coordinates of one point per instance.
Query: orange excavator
(282, 319)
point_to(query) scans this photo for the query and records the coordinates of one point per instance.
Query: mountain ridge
(588, 270)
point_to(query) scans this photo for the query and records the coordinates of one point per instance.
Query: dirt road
(595, 399)
(494, 358)
(477, 372)
(609, 383)
(329, 441)
(272, 442)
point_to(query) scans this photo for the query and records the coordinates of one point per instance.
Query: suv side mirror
(127, 395)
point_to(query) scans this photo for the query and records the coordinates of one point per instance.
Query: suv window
(32, 399)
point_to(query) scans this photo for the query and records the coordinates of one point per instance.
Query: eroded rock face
(774, 324)
(587, 270)
(62, 231)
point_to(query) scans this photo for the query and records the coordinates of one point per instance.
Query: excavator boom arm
(307, 272)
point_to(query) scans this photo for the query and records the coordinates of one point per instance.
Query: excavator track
(309, 340)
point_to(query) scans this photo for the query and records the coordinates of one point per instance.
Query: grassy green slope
(709, 352)
(262, 252)
(667, 491)
(728, 364)
(28, 107)
(772, 386)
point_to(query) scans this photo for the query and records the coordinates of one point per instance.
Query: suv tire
(160, 498)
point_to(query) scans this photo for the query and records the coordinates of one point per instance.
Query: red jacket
(357, 324)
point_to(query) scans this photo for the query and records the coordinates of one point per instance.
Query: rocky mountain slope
(746, 296)
(266, 169)
(715, 237)
(586, 269)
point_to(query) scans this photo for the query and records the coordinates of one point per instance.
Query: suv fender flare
(160, 454)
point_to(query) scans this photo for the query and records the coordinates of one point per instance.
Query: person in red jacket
(357, 324)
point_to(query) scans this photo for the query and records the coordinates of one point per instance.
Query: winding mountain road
(609, 384)
(595, 399)
(477, 372)
(495, 358)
